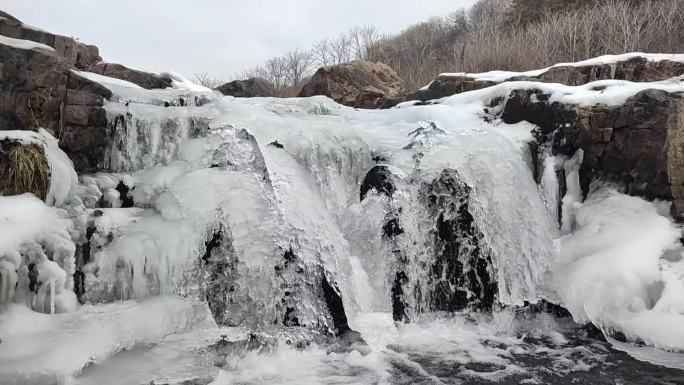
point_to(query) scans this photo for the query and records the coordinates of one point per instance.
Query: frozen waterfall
(300, 223)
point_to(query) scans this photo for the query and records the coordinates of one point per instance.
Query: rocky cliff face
(637, 145)
(39, 89)
(74, 53)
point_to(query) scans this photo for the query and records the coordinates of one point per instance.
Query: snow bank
(500, 76)
(24, 44)
(40, 348)
(622, 269)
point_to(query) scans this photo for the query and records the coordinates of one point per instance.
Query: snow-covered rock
(634, 67)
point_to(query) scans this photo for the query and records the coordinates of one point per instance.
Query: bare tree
(298, 65)
(204, 79)
(341, 49)
(363, 40)
(322, 53)
(276, 72)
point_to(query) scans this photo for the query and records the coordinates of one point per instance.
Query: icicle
(4, 287)
(573, 196)
(52, 297)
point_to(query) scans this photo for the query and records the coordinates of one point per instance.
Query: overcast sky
(220, 37)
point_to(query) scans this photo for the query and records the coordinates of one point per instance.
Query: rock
(635, 69)
(462, 274)
(380, 179)
(253, 87)
(638, 145)
(6, 15)
(360, 84)
(459, 274)
(32, 86)
(76, 54)
(84, 135)
(448, 85)
(333, 301)
(143, 79)
(84, 98)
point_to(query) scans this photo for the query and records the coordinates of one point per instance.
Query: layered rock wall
(637, 145)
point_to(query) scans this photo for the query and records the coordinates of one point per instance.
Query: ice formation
(36, 247)
(304, 217)
(36, 255)
(621, 268)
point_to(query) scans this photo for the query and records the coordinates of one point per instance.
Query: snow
(180, 82)
(24, 44)
(606, 92)
(106, 80)
(41, 348)
(501, 76)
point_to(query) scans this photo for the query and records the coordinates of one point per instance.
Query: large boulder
(143, 79)
(638, 145)
(253, 87)
(360, 84)
(76, 54)
(635, 69)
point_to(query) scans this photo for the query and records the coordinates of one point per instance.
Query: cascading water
(278, 240)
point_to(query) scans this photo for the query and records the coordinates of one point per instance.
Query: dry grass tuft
(23, 168)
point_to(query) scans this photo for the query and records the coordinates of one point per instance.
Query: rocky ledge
(638, 145)
(631, 67)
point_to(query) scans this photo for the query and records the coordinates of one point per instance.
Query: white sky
(219, 37)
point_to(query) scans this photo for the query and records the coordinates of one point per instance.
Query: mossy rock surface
(23, 168)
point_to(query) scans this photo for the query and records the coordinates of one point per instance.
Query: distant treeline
(492, 35)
